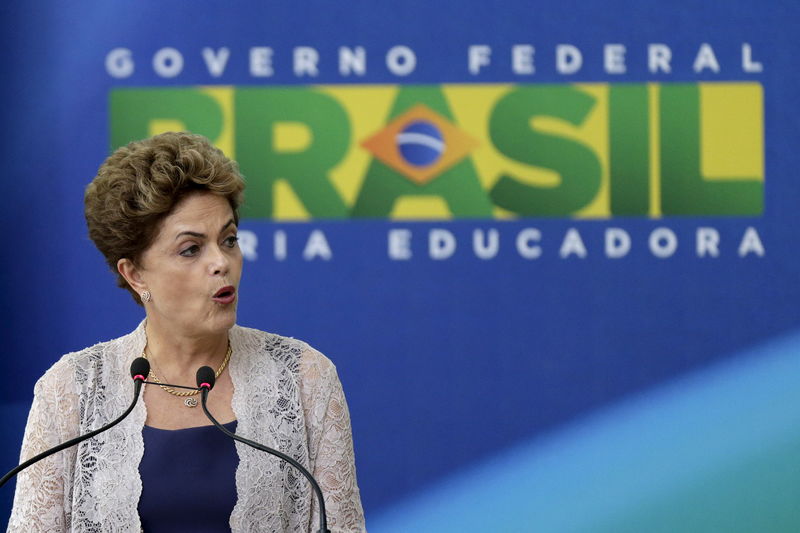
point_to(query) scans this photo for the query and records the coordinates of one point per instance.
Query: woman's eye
(231, 241)
(190, 251)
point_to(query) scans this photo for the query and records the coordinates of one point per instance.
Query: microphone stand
(323, 520)
(138, 380)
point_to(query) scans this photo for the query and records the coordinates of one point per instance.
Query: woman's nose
(220, 262)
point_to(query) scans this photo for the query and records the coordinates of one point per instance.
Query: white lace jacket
(286, 396)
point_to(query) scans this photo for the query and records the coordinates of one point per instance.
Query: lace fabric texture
(286, 396)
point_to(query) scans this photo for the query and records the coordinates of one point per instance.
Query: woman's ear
(132, 274)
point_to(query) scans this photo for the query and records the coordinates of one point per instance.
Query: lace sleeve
(331, 444)
(42, 489)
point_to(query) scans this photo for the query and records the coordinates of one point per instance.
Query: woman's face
(192, 268)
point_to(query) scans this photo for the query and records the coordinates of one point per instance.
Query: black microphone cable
(205, 382)
(139, 369)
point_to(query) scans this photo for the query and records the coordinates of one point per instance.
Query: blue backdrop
(567, 392)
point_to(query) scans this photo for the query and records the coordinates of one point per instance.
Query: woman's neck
(179, 355)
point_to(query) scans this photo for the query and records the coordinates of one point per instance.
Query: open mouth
(225, 294)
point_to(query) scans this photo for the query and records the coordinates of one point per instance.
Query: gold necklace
(188, 402)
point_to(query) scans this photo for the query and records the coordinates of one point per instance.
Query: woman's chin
(225, 321)
(217, 321)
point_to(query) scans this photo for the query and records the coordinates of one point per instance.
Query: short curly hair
(140, 184)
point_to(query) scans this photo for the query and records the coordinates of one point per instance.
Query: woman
(164, 213)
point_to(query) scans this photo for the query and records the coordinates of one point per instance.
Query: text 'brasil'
(593, 150)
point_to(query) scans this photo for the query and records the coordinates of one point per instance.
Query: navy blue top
(188, 479)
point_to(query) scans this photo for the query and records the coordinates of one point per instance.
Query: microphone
(139, 369)
(205, 382)
(206, 379)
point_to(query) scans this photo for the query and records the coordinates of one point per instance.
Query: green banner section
(474, 151)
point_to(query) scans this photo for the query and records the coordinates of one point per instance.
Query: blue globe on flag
(420, 143)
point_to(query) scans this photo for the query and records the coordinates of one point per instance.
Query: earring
(146, 297)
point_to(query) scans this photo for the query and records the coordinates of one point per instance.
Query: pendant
(190, 402)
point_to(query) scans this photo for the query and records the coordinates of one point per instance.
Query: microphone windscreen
(140, 367)
(206, 375)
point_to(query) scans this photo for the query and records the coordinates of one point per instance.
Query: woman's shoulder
(294, 353)
(94, 362)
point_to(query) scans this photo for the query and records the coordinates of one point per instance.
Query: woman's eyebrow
(202, 235)
(191, 234)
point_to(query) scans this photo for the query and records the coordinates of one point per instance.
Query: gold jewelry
(188, 402)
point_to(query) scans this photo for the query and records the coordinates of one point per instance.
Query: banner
(550, 247)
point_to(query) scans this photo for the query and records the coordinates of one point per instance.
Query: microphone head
(205, 377)
(140, 368)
